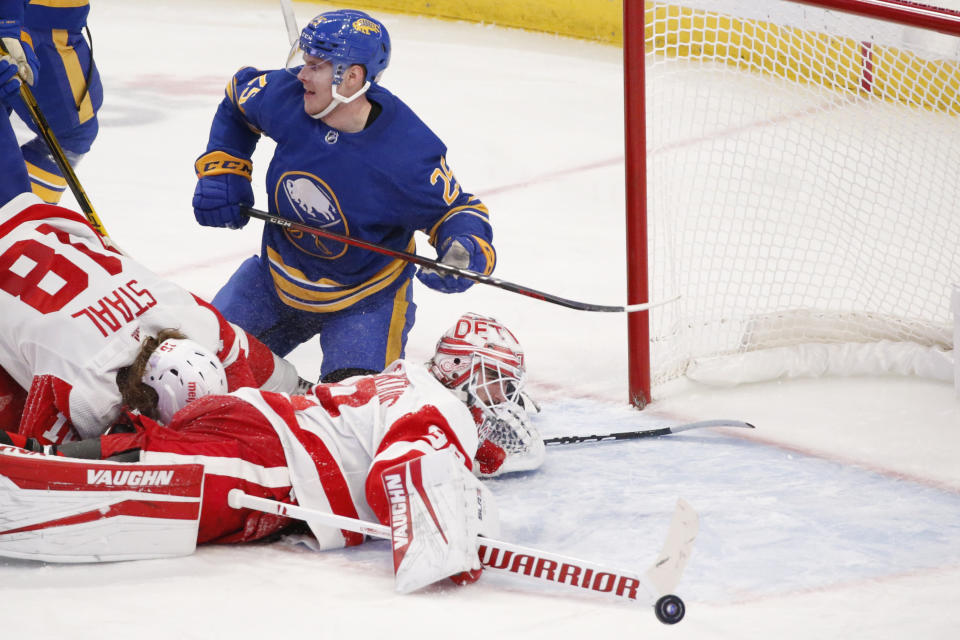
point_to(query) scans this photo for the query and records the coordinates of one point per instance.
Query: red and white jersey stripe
(74, 312)
(338, 439)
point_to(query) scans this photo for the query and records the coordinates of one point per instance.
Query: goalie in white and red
(475, 345)
(360, 448)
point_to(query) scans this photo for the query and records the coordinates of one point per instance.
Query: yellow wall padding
(600, 20)
(794, 54)
(833, 62)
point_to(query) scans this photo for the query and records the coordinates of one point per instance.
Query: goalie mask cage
(793, 171)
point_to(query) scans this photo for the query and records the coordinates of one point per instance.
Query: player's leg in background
(69, 94)
(12, 399)
(369, 335)
(13, 174)
(249, 300)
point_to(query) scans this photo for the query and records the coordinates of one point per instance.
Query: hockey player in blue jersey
(19, 61)
(352, 158)
(67, 88)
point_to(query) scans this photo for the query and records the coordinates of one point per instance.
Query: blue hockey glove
(9, 82)
(23, 56)
(223, 189)
(463, 252)
(20, 58)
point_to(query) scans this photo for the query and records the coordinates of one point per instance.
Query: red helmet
(481, 360)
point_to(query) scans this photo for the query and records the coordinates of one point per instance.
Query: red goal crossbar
(913, 14)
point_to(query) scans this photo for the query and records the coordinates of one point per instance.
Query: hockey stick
(445, 268)
(290, 21)
(649, 433)
(59, 157)
(536, 564)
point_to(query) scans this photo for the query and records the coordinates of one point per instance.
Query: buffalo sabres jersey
(380, 184)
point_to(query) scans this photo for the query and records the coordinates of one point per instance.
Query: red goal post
(793, 171)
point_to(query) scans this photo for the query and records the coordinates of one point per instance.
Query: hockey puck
(669, 609)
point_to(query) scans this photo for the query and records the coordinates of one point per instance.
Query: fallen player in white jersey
(77, 314)
(340, 448)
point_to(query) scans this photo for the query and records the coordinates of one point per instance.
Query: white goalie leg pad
(57, 509)
(437, 510)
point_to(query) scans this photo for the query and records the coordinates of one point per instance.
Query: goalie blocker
(58, 509)
(437, 510)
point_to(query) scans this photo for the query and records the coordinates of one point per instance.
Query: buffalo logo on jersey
(305, 197)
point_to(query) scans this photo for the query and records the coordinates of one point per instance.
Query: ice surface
(838, 517)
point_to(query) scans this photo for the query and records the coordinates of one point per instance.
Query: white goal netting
(803, 171)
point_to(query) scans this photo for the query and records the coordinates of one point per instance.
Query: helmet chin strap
(338, 99)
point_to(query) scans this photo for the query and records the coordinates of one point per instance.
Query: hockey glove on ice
(513, 444)
(223, 189)
(463, 252)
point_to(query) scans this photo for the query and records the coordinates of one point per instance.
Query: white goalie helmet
(180, 371)
(481, 361)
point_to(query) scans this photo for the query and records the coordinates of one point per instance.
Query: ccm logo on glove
(217, 163)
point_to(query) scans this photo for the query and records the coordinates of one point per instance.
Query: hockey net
(802, 190)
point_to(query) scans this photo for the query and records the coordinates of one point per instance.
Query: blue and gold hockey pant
(369, 334)
(69, 93)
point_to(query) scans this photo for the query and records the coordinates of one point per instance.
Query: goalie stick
(536, 564)
(648, 433)
(447, 269)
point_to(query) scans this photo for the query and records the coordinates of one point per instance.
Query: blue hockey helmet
(346, 37)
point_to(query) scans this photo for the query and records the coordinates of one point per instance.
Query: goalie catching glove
(437, 510)
(462, 252)
(511, 443)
